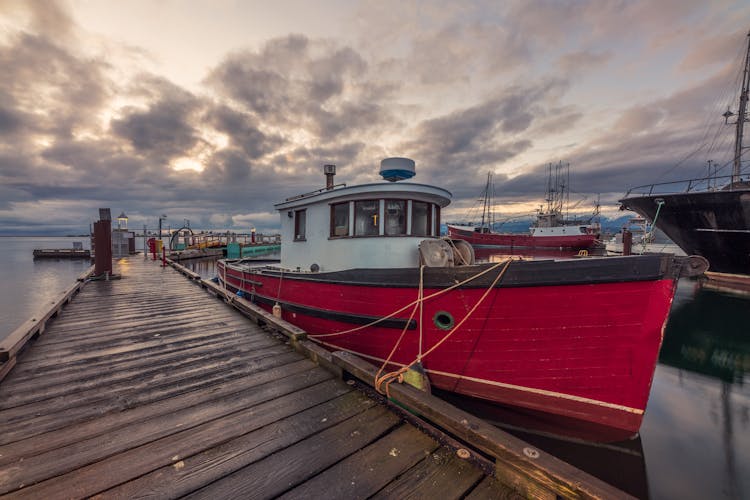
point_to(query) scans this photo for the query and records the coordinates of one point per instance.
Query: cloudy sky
(213, 110)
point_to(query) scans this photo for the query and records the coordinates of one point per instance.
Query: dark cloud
(165, 129)
(315, 87)
(243, 131)
(11, 121)
(63, 90)
(474, 140)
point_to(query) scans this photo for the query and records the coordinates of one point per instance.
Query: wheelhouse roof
(434, 194)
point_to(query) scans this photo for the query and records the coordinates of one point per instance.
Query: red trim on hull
(586, 352)
(573, 241)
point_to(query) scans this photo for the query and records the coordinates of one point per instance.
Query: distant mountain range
(609, 226)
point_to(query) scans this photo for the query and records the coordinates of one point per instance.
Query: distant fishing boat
(550, 229)
(700, 215)
(363, 269)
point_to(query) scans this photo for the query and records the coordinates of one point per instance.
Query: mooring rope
(314, 336)
(398, 375)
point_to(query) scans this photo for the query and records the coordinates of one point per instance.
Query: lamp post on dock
(161, 218)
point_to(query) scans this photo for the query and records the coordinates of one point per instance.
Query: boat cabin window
(300, 221)
(366, 218)
(340, 219)
(395, 217)
(421, 218)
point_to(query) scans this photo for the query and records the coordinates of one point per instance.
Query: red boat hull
(572, 241)
(584, 350)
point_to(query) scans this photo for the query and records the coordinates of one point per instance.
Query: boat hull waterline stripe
(355, 319)
(541, 392)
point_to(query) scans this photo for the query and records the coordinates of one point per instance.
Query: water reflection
(708, 334)
(206, 267)
(698, 418)
(30, 285)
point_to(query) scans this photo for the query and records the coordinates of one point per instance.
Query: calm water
(27, 283)
(695, 439)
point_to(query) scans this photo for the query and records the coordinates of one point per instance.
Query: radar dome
(397, 169)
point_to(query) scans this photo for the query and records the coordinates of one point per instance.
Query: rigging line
(314, 336)
(728, 89)
(421, 309)
(388, 378)
(727, 96)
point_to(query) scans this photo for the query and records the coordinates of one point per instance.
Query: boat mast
(741, 117)
(487, 201)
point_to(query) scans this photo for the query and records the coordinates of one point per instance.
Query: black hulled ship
(708, 216)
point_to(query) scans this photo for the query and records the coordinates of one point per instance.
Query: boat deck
(148, 386)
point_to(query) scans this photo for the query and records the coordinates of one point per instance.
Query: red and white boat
(563, 236)
(363, 269)
(550, 229)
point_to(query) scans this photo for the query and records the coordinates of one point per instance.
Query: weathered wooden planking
(128, 465)
(39, 371)
(152, 340)
(89, 357)
(530, 471)
(440, 475)
(252, 465)
(62, 411)
(370, 469)
(90, 389)
(492, 489)
(115, 420)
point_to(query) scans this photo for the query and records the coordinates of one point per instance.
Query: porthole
(443, 320)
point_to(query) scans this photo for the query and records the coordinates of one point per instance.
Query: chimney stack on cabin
(330, 171)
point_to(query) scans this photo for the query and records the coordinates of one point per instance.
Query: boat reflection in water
(698, 425)
(695, 438)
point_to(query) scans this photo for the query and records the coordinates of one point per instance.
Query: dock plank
(113, 460)
(440, 475)
(115, 420)
(44, 418)
(370, 469)
(226, 467)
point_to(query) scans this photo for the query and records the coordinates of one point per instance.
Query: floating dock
(148, 385)
(61, 253)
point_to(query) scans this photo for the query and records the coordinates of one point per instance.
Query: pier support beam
(103, 243)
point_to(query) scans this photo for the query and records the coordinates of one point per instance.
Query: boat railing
(712, 183)
(312, 193)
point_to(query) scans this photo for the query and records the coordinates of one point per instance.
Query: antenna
(741, 118)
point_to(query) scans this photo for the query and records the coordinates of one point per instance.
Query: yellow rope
(390, 377)
(436, 294)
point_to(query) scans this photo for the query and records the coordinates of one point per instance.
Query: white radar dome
(397, 169)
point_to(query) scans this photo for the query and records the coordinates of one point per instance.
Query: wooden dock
(61, 253)
(149, 386)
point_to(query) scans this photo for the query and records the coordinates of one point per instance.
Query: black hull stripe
(354, 319)
(530, 273)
